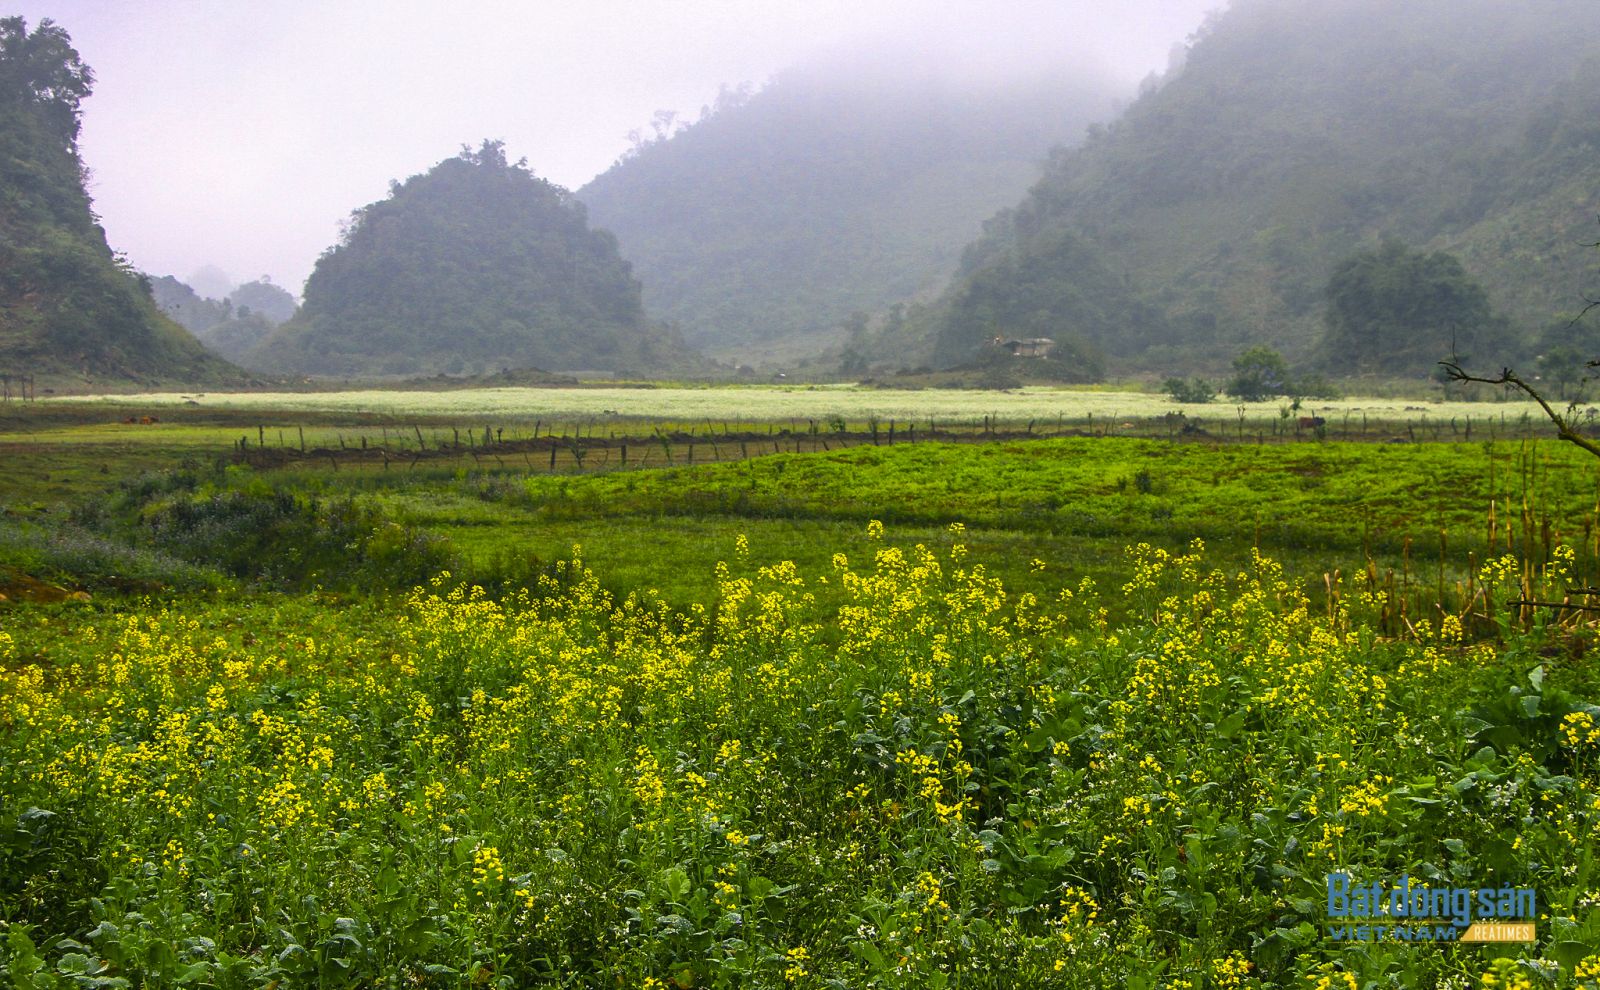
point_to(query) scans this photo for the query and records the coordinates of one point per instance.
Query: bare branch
(1593, 304)
(1566, 605)
(1564, 428)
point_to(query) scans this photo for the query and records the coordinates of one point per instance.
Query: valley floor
(999, 709)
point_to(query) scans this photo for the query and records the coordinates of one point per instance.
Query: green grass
(1316, 507)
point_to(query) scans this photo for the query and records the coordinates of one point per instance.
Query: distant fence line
(659, 449)
(572, 448)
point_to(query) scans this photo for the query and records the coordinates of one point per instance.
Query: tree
(1563, 366)
(1193, 391)
(41, 72)
(853, 359)
(1258, 374)
(1400, 311)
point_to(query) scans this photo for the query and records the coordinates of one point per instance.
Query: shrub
(69, 552)
(293, 540)
(1193, 391)
(1258, 374)
(1313, 387)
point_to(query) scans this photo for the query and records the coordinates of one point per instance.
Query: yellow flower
(796, 969)
(487, 869)
(1579, 729)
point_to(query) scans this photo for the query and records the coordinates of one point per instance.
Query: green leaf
(25, 959)
(1569, 954)
(869, 954)
(676, 883)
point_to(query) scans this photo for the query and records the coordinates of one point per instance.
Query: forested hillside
(1299, 137)
(763, 226)
(474, 266)
(69, 308)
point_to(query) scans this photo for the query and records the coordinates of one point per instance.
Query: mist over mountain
(69, 307)
(231, 326)
(474, 266)
(1299, 134)
(840, 187)
(210, 282)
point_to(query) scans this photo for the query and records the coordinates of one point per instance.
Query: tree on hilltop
(69, 304)
(41, 71)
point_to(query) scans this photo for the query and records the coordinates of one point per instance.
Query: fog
(240, 136)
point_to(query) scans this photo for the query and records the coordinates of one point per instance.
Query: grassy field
(777, 403)
(59, 447)
(1072, 711)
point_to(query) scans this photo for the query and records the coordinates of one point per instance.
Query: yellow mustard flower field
(891, 771)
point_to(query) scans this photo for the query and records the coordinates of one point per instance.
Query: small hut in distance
(1030, 347)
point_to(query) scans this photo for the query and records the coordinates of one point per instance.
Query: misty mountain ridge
(69, 307)
(473, 266)
(1295, 150)
(839, 187)
(1212, 214)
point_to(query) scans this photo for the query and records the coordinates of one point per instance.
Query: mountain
(233, 326)
(1298, 135)
(185, 306)
(473, 266)
(762, 227)
(263, 298)
(69, 307)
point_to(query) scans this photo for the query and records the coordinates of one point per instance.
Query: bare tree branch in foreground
(1564, 428)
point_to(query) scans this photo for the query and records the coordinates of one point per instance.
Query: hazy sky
(241, 134)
